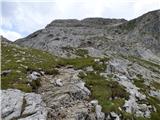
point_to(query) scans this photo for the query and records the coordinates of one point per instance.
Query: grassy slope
(20, 61)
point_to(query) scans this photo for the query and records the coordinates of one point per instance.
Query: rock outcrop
(22, 106)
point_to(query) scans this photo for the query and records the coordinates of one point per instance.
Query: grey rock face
(22, 106)
(12, 103)
(100, 36)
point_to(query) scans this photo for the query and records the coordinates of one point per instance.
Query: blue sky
(22, 17)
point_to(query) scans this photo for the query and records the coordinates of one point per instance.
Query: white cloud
(26, 16)
(143, 6)
(10, 35)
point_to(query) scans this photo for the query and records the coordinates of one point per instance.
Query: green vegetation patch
(81, 52)
(109, 93)
(156, 103)
(22, 60)
(83, 62)
(156, 85)
(139, 82)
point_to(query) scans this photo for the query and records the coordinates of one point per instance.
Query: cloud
(10, 35)
(143, 6)
(26, 16)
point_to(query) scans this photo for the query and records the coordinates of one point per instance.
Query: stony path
(65, 96)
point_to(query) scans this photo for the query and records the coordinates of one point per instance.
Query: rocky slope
(138, 37)
(104, 69)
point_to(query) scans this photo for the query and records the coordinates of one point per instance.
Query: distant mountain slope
(139, 37)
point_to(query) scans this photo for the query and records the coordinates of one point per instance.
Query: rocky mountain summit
(90, 69)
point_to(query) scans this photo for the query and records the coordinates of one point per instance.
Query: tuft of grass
(21, 60)
(81, 52)
(139, 82)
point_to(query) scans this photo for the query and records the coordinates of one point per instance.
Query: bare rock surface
(68, 101)
(139, 37)
(22, 106)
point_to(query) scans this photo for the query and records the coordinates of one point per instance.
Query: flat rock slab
(22, 106)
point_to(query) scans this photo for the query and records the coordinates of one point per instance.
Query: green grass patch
(83, 62)
(139, 82)
(109, 93)
(21, 60)
(81, 52)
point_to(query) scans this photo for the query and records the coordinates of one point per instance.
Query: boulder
(34, 75)
(5, 72)
(59, 83)
(22, 106)
(89, 69)
(12, 103)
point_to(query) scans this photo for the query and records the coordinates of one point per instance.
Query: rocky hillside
(92, 69)
(138, 37)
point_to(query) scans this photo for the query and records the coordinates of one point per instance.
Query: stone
(5, 72)
(34, 75)
(89, 69)
(114, 116)
(59, 83)
(96, 60)
(94, 102)
(99, 114)
(155, 93)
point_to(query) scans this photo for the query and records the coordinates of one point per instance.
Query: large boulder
(22, 106)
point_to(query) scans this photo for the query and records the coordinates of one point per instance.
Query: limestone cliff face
(107, 35)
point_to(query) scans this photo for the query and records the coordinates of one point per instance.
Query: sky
(20, 18)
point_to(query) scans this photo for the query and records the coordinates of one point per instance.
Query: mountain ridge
(93, 69)
(139, 34)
